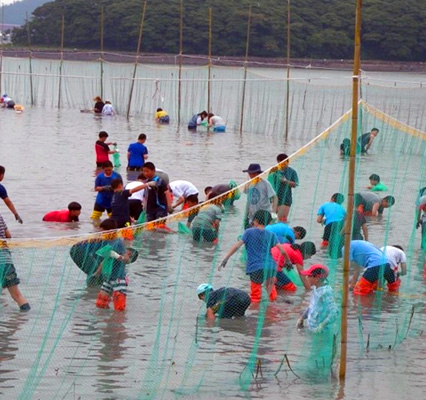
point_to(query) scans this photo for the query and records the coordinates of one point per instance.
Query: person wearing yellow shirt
(161, 116)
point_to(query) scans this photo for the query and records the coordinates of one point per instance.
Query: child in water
(322, 310)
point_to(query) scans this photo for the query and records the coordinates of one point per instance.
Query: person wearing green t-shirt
(375, 184)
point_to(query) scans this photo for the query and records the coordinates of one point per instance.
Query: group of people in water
(270, 242)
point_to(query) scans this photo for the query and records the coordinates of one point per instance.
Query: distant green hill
(391, 29)
(15, 13)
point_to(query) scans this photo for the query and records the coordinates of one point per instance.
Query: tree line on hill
(391, 29)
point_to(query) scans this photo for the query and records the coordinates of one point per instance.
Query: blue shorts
(164, 120)
(219, 129)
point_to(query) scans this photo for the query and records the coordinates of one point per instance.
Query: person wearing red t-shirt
(294, 254)
(102, 149)
(70, 215)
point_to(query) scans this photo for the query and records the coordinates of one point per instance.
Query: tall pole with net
(209, 82)
(62, 60)
(180, 60)
(351, 184)
(288, 71)
(102, 52)
(245, 70)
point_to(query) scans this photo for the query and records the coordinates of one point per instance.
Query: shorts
(284, 195)
(261, 275)
(282, 279)
(135, 208)
(236, 306)
(115, 285)
(164, 120)
(10, 104)
(192, 127)
(219, 129)
(99, 164)
(372, 274)
(207, 234)
(332, 230)
(156, 214)
(134, 168)
(98, 207)
(9, 277)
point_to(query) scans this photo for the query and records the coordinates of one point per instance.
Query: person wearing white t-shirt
(216, 122)
(181, 190)
(108, 109)
(397, 259)
(136, 199)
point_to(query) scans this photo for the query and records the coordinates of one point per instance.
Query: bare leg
(16, 295)
(283, 212)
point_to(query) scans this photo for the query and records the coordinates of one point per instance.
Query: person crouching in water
(224, 302)
(322, 310)
(116, 285)
(161, 116)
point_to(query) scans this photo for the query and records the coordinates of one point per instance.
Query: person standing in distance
(102, 149)
(5, 197)
(137, 153)
(366, 140)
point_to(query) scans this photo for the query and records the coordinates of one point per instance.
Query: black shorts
(134, 168)
(332, 230)
(98, 207)
(262, 275)
(207, 234)
(135, 208)
(372, 274)
(156, 214)
(285, 197)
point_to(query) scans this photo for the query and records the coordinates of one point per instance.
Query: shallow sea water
(65, 348)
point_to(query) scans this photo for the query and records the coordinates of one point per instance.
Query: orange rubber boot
(119, 300)
(288, 287)
(273, 294)
(102, 300)
(393, 287)
(255, 292)
(364, 287)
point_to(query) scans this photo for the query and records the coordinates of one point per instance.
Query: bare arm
(10, 206)
(233, 249)
(7, 234)
(320, 218)
(303, 278)
(403, 269)
(145, 156)
(180, 200)
(274, 204)
(138, 188)
(210, 315)
(168, 200)
(370, 142)
(357, 269)
(375, 209)
(365, 231)
(128, 155)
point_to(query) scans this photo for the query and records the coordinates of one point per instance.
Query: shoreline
(202, 60)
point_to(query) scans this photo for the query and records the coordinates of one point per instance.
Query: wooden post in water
(62, 60)
(102, 52)
(180, 60)
(136, 59)
(209, 83)
(2, 39)
(287, 105)
(30, 60)
(245, 71)
(351, 185)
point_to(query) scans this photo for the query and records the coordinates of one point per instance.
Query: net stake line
(136, 59)
(209, 82)
(62, 60)
(351, 184)
(30, 59)
(288, 70)
(180, 60)
(245, 70)
(102, 52)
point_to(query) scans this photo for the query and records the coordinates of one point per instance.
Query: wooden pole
(287, 105)
(102, 52)
(30, 60)
(136, 59)
(245, 71)
(2, 38)
(351, 185)
(180, 61)
(209, 84)
(62, 60)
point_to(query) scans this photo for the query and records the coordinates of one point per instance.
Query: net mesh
(163, 345)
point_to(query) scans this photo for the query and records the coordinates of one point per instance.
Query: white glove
(114, 254)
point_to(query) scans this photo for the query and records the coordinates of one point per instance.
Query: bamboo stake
(180, 61)
(245, 70)
(62, 60)
(209, 89)
(30, 60)
(102, 52)
(351, 184)
(288, 70)
(136, 58)
(2, 38)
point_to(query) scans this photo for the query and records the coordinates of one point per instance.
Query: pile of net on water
(162, 346)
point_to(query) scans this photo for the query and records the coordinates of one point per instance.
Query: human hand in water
(223, 264)
(299, 324)
(418, 225)
(19, 219)
(288, 265)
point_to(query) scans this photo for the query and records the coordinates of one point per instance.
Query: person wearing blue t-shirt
(285, 233)
(365, 256)
(4, 196)
(226, 302)
(105, 192)
(332, 216)
(137, 153)
(260, 265)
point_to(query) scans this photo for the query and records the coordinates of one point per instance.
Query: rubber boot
(393, 287)
(96, 214)
(255, 292)
(273, 294)
(102, 300)
(364, 287)
(283, 219)
(288, 287)
(324, 244)
(119, 300)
